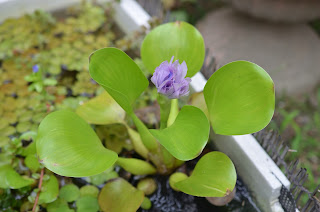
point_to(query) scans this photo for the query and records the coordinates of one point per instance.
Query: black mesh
(277, 150)
(286, 200)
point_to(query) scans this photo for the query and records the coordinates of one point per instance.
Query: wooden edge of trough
(258, 171)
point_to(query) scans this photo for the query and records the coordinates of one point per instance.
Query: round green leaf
(4, 140)
(146, 204)
(3, 171)
(32, 162)
(101, 110)
(240, 98)
(30, 149)
(16, 181)
(49, 190)
(136, 166)
(176, 177)
(178, 39)
(120, 196)
(102, 177)
(89, 190)
(87, 204)
(147, 185)
(213, 176)
(119, 75)
(187, 136)
(69, 192)
(68, 146)
(7, 131)
(59, 205)
(28, 135)
(23, 126)
(5, 159)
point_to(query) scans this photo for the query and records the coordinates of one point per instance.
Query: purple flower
(169, 78)
(35, 68)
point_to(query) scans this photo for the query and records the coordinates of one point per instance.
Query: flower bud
(169, 78)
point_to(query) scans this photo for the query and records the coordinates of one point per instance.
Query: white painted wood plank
(130, 16)
(198, 82)
(258, 171)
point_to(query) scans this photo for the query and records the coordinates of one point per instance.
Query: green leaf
(5, 159)
(89, 190)
(240, 98)
(30, 149)
(69, 192)
(4, 140)
(146, 204)
(176, 177)
(119, 75)
(59, 205)
(178, 39)
(15, 181)
(87, 204)
(50, 82)
(32, 162)
(136, 166)
(7, 131)
(3, 171)
(28, 135)
(213, 176)
(68, 146)
(187, 136)
(102, 177)
(120, 196)
(101, 110)
(49, 190)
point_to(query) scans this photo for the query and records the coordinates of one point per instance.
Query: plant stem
(174, 110)
(38, 194)
(147, 138)
(164, 104)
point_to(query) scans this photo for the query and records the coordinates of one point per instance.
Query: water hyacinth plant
(239, 100)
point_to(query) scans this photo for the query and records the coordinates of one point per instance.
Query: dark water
(167, 200)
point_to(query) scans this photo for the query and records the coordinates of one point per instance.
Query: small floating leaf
(9, 130)
(69, 192)
(28, 135)
(89, 190)
(68, 146)
(3, 171)
(4, 140)
(103, 177)
(32, 162)
(213, 176)
(59, 205)
(23, 126)
(120, 196)
(87, 204)
(15, 181)
(49, 191)
(30, 149)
